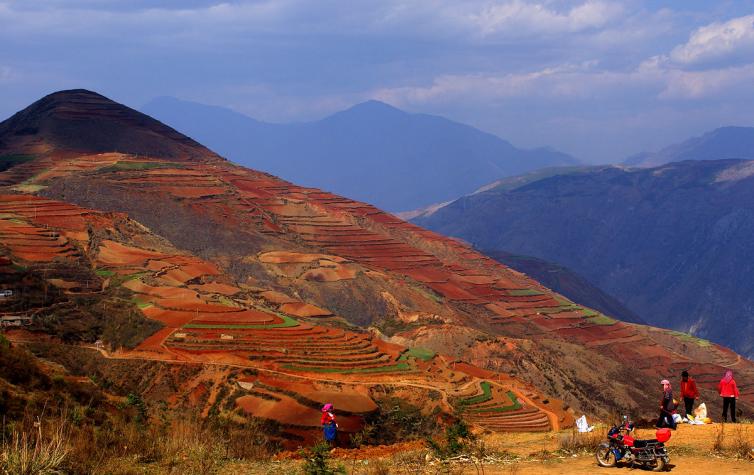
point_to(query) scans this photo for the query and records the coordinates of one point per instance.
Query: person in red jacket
(689, 393)
(729, 392)
(329, 426)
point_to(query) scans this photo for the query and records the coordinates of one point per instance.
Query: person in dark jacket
(729, 392)
(689, 393)
(667, 406)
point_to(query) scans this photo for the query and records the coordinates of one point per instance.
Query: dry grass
(38, 449)
(190, 445)
(576, 442)
(736, 441)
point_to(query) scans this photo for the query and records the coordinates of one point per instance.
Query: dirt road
(697, 465)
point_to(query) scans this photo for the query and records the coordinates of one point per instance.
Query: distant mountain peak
(372, 107)
(83, 121)
(372, 151)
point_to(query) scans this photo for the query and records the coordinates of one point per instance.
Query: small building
(15, 321)
(6, 293)
(224, 336)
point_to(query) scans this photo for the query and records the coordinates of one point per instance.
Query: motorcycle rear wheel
(605, 457)
(659, 465)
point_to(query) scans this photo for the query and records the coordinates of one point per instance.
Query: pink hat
(664, 381)
(327, 407)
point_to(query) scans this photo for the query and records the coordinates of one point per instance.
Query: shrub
(317, 461)
(399, 421)
(458, 439)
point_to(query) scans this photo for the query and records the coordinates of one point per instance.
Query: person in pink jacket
(729, 392)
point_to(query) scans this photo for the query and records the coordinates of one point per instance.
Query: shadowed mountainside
(568, 283)
(673, 243)
(371, 152)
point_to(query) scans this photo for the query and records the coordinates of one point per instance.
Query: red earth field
(324, 298)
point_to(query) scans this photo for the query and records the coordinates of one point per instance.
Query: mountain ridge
(730, 142)
(370, 152)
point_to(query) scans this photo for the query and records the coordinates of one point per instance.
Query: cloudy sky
(596, 78)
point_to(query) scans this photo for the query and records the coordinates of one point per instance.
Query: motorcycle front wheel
(605, 457)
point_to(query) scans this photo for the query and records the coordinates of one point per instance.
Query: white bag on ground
(700, 413)
(582, 425)
(677, 418)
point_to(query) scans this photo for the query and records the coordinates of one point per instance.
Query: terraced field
(248, 271)
(337, 240)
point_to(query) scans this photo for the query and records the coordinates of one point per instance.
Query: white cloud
(656, 78)
(470, 19)
(519, 17)
(733, 39)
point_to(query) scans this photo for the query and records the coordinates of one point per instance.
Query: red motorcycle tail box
(663, 435)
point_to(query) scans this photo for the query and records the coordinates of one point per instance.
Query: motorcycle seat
(643, 443)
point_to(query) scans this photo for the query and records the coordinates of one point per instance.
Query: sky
(598, 79)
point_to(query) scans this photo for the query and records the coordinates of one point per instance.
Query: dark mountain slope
(79, 120)
(673, 243)
(568, 283)
(719, 144)
(371, 152)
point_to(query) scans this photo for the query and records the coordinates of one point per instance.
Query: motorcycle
(622, 447)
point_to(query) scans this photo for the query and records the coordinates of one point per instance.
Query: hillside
(673, 243)
(719, 144)
(242, 294)
(566, 282)
(371, 152)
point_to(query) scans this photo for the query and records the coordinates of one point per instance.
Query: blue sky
(596, 78)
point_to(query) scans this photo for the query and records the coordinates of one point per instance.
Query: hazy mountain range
(721, 143)
(372, 152)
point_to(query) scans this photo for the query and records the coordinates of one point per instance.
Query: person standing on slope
(329, 426)
(689, 393)
(667, 406)
(729, 392)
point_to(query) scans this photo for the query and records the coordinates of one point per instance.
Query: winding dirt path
(180, 358)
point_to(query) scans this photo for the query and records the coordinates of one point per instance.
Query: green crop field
(286, 323)
(480, 398)
(524, 292)
(380, 369)
(423, 354)
(691, 338)
(601, 319)
(515, 405)
(125, 166)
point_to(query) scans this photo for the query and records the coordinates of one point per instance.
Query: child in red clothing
(729, 392)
